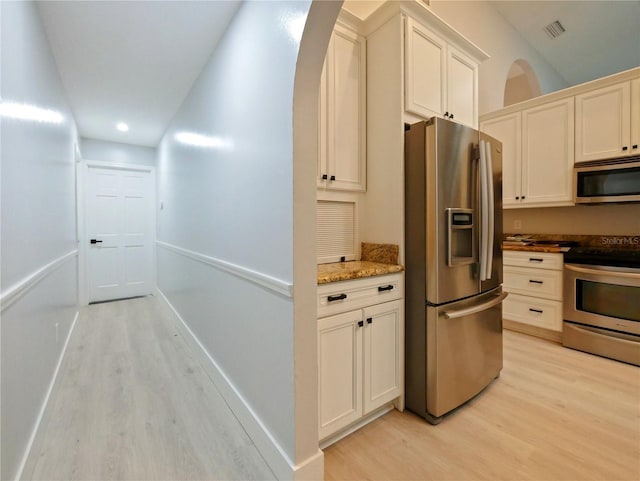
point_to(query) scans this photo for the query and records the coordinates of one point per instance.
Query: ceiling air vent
(554, 29)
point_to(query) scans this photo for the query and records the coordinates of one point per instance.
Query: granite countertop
(534, 248)
(344, 271)
(376, 260)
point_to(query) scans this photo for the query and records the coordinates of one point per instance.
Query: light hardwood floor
(554, 414)
(132, 403)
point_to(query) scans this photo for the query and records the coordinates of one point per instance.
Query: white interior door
(119, 226)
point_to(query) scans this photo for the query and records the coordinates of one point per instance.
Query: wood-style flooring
(554, 414)
(132, 403)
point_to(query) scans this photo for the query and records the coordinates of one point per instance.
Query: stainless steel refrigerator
(453, 257)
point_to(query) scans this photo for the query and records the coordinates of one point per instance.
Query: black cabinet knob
(360, 323)
(634, 146)
(625, 148)
(369, 320)
(324, 176)
(517, 198)
(332, 178)
(451, 116)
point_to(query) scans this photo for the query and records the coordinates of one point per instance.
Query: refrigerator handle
(477, 308)
(484, 210)
(491, 213)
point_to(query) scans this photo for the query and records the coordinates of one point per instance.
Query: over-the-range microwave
(612, 181)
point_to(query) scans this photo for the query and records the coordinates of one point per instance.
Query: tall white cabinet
(342, 111)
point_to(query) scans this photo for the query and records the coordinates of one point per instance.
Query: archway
(313, 47)
(521, 84)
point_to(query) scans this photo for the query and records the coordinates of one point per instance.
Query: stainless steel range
(602, 302)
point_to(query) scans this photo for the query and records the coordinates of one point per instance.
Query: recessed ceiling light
(122, 127)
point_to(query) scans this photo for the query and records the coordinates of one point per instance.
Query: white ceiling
(131, 61)
(135, 61)
(601, 38)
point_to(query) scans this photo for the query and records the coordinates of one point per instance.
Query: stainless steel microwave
(617, 181)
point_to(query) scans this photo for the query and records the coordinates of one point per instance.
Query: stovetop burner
(603, 257)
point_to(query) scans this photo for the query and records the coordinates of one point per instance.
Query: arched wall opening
(313, 47)
(521, 84)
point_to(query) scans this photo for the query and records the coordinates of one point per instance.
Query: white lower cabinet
(360, 362)
(534, 283)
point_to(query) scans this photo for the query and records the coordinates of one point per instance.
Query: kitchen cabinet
(360, 352)
(608, 122)
(440, 80)
(342, 113)
(538, 154)
(534, 283)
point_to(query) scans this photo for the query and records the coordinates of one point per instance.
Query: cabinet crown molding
(630, 74)
(421, 13)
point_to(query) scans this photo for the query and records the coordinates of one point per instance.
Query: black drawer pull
(536, 282)
(360, 323)
(385, 288)
(535, 259)
(535, 310)
(369, 320)
(337, 297)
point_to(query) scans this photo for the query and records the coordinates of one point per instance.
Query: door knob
(94, 241)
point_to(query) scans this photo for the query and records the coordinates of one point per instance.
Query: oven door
(603, 296)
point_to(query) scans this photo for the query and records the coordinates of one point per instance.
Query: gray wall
(116, 152)
(231, 199)
(38, 228)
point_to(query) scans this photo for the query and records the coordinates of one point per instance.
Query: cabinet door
(339, 371)
(383, 354)
(425, 71)
(547, 154)
(346, 111)
(323, 119)
(462, 88)
(508, 130)
(635, 117)
(602, 123)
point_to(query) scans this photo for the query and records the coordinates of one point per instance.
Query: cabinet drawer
(541, 260)
(338, 297)
(527, 281)
(543, 313)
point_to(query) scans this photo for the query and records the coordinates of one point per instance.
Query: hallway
(131, 402)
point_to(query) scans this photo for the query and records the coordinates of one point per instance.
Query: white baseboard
(44, 413)
(283, 468)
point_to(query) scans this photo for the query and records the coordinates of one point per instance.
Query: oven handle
(601, 272)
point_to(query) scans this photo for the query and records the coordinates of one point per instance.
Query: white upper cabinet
(342, 113)
(440, 80)
(537, 154)
(508, 130)
(547, 154)
(603, 123)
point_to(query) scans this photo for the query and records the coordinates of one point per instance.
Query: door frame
(81, 203)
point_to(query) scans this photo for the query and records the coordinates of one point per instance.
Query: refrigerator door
(493, 154)
(464, 351)
(452, 211)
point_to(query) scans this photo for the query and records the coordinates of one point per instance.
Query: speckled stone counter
(550, 249)
(344, 271)
(377, 260)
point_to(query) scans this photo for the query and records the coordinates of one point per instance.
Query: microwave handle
(612, 273)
